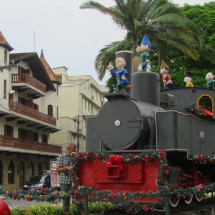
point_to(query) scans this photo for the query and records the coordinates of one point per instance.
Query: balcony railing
(28, 145)
(26, 78)
(24, 110)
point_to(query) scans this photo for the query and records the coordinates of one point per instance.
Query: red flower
(44, 191)
(27, 198)
(199, 187)
(162, 154)
(113, 195)
(166, 170)
(147, 158)
(146, 208)
(89, 154)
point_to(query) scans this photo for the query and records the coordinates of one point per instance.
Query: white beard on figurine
(148, 67)
(140, 68)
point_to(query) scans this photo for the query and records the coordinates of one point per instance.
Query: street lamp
(10, 92)
(77, 121)
(9, 66)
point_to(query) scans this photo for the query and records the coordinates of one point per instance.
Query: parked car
(31, 180)
(43, 182)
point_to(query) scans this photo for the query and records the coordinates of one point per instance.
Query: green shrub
(52, 209)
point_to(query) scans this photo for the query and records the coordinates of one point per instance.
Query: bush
(52, 209)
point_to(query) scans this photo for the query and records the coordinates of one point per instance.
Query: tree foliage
(161, 20)
(203, 18)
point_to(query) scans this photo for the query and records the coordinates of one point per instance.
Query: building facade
(80, 97)
(28, 115)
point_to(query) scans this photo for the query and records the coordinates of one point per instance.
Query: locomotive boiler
(133, 133)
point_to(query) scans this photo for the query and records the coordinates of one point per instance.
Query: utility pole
(78, 122)
(76, 119)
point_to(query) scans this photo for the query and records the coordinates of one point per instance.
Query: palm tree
(159, 19)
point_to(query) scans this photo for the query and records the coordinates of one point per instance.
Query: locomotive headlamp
(117, 123)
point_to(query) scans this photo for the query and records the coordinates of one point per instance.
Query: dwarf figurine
(188, 81)
(143, 51)
(210, 80)
(167, 82)
(120, 73)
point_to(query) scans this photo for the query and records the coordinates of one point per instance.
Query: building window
(1, 173)
(31, 169)
(36, 137)
(44, 138)
(50, 110)
(11, 173)
(8, 131)
(5, 57)
(5, 89)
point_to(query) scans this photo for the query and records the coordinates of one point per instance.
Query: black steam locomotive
(149, 120)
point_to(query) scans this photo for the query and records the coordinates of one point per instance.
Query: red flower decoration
(199, 187)
(89, 154)
(166, 170)
(147, 158)
(113, 195)
(27, 198)
(146, 208)
(162, 154)
(44, 191)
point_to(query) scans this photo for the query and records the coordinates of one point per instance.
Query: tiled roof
(48, 69)
(4, 42)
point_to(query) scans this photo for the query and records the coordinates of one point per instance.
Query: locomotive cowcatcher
(143, 146)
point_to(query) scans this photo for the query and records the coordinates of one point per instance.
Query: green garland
(123, 200)
(199, 112)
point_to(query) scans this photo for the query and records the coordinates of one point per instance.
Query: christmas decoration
(124, 200)
(200, 112)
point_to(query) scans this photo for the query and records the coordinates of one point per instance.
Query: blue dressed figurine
(120, 73)
(143, 52)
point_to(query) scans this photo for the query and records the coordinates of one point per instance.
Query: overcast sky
(69, 36)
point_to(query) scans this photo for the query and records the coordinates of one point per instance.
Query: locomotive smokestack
(146, 87)
(128, 56)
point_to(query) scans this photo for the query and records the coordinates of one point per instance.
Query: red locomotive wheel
(4, 209)
(174, 200)
(188, 198)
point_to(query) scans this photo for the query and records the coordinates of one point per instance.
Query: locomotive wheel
(199, 193)
(188, 198)
(199, 196)
(174, 200)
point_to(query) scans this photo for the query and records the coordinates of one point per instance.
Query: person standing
(64, 168)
